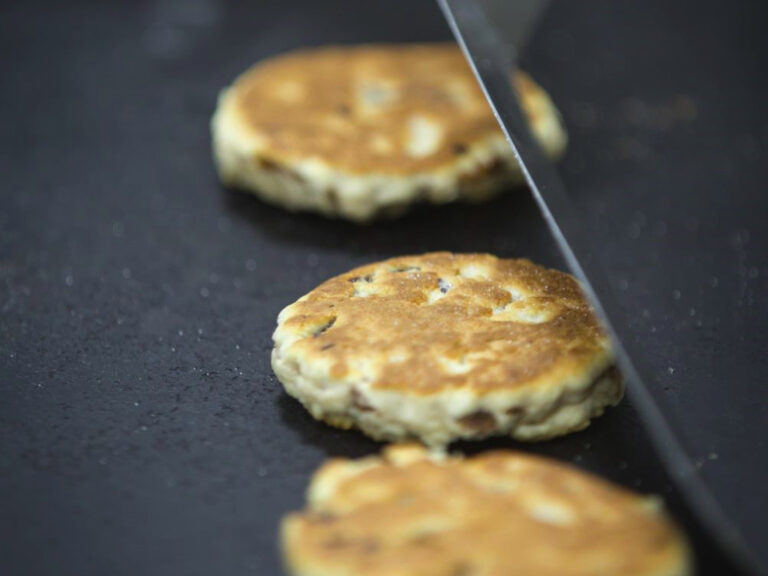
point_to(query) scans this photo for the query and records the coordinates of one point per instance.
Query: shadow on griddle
(509, 225)
(331, 441)
(613, 446)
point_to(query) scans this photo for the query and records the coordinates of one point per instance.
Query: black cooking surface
(141, 428)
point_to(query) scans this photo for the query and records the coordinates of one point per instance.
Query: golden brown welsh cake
(357, 131)
(445, 346)
(503, 513)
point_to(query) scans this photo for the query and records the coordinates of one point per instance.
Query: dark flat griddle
(141, 428)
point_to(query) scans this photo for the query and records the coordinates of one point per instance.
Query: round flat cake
(502, 513)
(444, 346)
(360, 131)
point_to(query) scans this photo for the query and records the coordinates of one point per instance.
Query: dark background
(141, 428)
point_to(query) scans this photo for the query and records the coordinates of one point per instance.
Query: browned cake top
(497, 514)
(442, 321)
(376, 108)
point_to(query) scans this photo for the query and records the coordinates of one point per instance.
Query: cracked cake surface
(445, 346)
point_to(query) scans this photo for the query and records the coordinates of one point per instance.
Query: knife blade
(491, 58)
